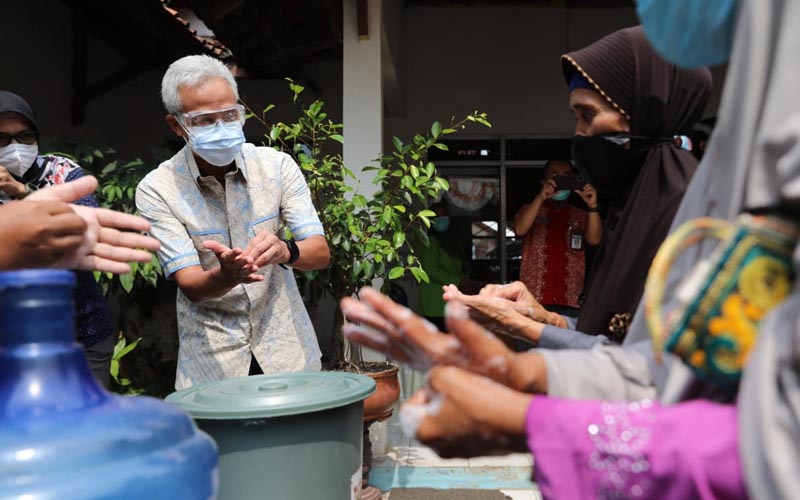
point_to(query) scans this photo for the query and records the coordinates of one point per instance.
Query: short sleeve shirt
(265, 192)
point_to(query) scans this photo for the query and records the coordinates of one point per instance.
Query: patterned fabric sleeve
(177, 249)
(589, 449)
(76, 173)
(297, 208)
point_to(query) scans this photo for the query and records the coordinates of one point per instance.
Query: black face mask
(607, 164)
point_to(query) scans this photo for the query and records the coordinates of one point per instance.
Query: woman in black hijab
(630, 104)
(631, 108)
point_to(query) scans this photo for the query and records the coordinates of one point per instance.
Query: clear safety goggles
(205, 118)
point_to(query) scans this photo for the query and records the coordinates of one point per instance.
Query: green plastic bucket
(284, 436)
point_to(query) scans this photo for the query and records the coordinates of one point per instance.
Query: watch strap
(294, 251)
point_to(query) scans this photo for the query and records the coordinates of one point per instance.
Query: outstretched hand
(503, 308)
(397, 332)
(107, 244)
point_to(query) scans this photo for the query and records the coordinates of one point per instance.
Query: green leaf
(436, 129)
(315, 107)
(295, 88)
(109, 168)
(426, 213)
(419, 274)
(398, 239)
(128, 348)
(396, 272)
(414, 171)
(388, 211)
(398, 144)
(441, 146)
(336, 137)
(368, 269)
(126, 280)
(359, 200)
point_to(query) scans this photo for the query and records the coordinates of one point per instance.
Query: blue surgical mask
(218, 144)
(440, 224)
(689, 33)
(560, 195)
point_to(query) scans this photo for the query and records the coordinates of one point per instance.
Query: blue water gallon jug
(62, 436)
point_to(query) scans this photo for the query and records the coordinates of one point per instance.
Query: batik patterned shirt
(265, 192)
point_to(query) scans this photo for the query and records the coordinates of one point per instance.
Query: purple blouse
(591, 449)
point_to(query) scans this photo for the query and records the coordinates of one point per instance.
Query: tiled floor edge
(486, 478)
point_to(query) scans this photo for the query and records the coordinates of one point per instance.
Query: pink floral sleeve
(590, 449)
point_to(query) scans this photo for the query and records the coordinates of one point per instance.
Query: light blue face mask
(218, 144)
(560, 195)
(689, 33)
(441, 224)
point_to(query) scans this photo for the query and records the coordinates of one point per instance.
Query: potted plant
(370, 237)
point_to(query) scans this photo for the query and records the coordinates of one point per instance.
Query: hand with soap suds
(461, 414)
(378, 323)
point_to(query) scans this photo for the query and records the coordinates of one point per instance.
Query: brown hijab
(660, 100)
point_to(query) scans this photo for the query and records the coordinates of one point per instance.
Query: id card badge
(575, 240)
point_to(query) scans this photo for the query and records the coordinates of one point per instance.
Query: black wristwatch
(294, 251)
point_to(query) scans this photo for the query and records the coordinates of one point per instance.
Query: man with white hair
(219, 208)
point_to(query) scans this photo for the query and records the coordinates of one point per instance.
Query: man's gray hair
(192, 71)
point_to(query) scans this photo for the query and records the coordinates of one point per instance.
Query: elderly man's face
(211, 95)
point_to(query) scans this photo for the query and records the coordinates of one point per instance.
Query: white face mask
(18, 158)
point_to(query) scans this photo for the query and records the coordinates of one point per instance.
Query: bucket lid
(273, 395)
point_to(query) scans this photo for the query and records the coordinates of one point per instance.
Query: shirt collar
(195, 172)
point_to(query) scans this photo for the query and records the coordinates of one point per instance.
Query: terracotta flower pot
(379, 405)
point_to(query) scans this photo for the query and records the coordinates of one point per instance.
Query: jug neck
(42, 369)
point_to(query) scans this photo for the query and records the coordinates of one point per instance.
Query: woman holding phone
(555, 234)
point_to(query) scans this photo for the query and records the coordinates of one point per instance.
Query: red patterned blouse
(553, 260)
